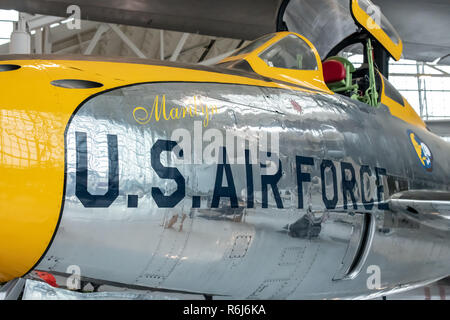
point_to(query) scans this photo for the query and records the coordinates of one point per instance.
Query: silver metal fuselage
(317, 227)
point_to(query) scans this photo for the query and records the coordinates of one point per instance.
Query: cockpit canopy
(291, 52)
(291, 59)
(285, 56)
(333, 26)
(328, 23)
(370, 18)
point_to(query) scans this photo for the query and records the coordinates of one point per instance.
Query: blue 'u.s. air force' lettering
(348, 184)
(329, 203)
(163, 172)
(271, 180)
(333, 189)
(81, 186)
(365, 171)
(302, 177)
(219, 190)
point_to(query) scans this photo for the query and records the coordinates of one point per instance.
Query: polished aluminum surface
(38, 290)
(296, 242)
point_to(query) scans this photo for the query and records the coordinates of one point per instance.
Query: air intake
(76, 84)
(8, 67)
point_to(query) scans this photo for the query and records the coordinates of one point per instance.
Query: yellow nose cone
(31, 168)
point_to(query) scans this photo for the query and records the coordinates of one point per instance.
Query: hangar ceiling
(147, 42)
(420, 23)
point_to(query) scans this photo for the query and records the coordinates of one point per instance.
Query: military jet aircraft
(282, 172)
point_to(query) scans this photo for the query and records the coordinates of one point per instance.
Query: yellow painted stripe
(405, 113)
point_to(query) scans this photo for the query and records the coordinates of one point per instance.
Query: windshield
(253, 45)
(290, 52)
(323, 22)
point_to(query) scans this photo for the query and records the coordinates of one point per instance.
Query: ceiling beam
(127, 41)
(179, 46)
(98, 34)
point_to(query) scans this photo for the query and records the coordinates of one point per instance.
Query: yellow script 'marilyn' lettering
(159, 109)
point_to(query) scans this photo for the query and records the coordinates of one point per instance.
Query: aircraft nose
(30, 203)
(31, 168)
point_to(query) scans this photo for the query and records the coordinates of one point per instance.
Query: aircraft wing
(432, 206)
(421, 25)
(239, 19)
